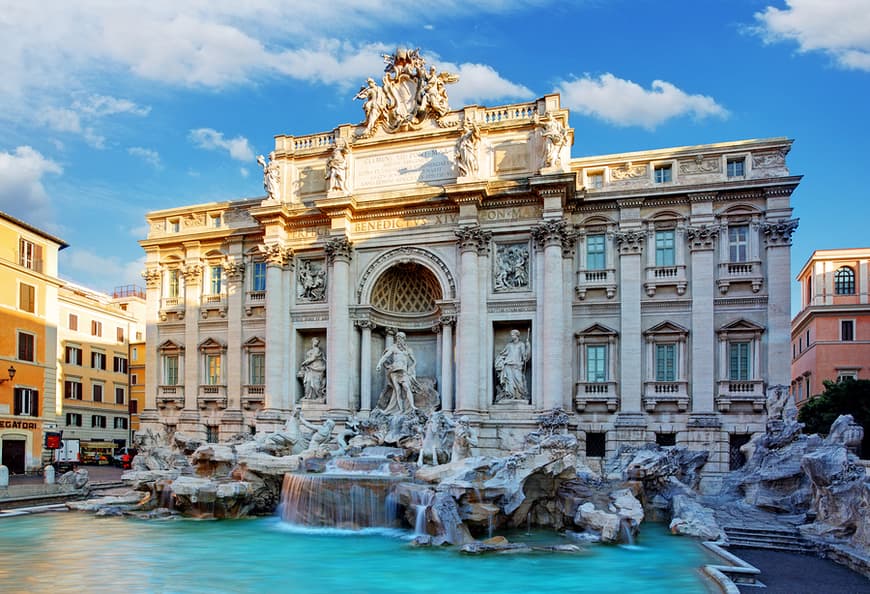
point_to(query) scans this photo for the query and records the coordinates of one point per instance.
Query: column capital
(702, 237)
(276, 254)
(629, 242)
(778, 233)
(364, 324)
(472, 237)
(340, 248)
(191, 272)
(553, 232)
(234, 269)
(152, 278)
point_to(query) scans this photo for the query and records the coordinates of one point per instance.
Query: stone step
(768, 538)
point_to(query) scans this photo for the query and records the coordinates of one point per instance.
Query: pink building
(830, 337)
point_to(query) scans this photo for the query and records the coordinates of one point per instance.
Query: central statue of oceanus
(409, 95)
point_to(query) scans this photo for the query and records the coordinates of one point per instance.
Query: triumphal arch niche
(461, 259)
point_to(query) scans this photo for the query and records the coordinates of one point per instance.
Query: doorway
(13, 455)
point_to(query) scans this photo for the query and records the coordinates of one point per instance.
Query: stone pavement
(96, 474)
(788, 573)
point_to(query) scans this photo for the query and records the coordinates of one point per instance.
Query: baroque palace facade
(645, 293)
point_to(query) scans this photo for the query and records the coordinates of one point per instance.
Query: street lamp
(11, 372)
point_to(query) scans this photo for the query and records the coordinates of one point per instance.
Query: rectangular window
(73, 420)
(170, 370)
(119, 364)
(215, 273)
(27, 298)
(847, 330)
(596, 363)
(213, 370)
(98, 421)
(133, 407)
(596, 445)
(735, 167)
(120, 422)
(173, 225)
(119, 333)
(257, 375)
(97, 392)
(665, 254)
(173, 284)
(215, 221)
(119, 395)
(847, 376)
(134, 352)
(738, 361)
(73, 322)
(666, 439)
(595, 254)
(72, 389)
(596, 180)
(211, 433)
(73, 355)
(258, 279)
(96, 328)
(98, 360)
(134, 379)
(662, 173)
(26, 347)
(738, 243)
(26, 402)
(666, 362)
(30, 255)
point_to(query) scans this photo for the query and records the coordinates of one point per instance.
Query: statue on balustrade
(510, 365)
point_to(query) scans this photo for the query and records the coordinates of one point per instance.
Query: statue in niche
(466, 149)
(555, 136)
(464, 438)
(311, 280)
(312, 372)
(510, 365)
(404, 392)
(271, 176)
(336, 169)
(512, 268)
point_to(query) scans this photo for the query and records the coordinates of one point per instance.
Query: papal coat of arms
(409, 94)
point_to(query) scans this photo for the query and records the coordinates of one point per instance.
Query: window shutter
(37, 257)
(17, 404)
(34, 403)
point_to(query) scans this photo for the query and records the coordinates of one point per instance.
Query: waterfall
(336, 501)
(422, 501)
(625, 531)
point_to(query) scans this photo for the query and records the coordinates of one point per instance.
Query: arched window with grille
(844, 281)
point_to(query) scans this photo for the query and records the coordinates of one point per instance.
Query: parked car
(124, 457)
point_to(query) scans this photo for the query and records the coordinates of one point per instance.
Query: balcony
(254, 299)
(214, 302)
(657, 394)
(739, 272)
(211, 395)
(596, 279)
(254, 396)
(665, 276)
(596, 394)
(740, 392)
(171, 305)
(170, 397)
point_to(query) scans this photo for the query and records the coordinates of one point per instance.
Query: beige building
(95, 332)
(649, 290)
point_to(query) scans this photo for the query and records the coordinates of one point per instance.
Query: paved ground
(788, 573)
(97, 474)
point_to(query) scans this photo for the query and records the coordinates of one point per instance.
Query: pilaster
(630, 245)
(278, 257)
(777, 239)
(338, 253)
(701, 245)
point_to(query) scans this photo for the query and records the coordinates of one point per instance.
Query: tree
(846, 397)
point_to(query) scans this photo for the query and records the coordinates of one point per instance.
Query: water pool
(76, 552)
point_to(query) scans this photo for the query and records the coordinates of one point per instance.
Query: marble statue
(271, 176)
(336, 169)
(436, 428)
(512, 268)
(555, 137)
(291, 435)
(320, 438)
(464, 438)
(312, 372)
(510, 364)
(410, 94)
(466, 149)
(311, 281)
(398, 360)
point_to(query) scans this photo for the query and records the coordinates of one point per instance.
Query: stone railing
(596, 279)
(254, 396)
(508, 113)
(604, 394)
(170, 396)
(746, 392)
(660, 276)
(655, 394)
(212, 394)
(739, 272)
(313, 142)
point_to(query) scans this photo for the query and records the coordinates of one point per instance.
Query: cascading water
(422, 501)
(625, 532)
(336, 501)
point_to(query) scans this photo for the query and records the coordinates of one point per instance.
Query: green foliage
(848, 397)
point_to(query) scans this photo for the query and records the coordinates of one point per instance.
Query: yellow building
(28, 342)
(95, 332)
(137, 382)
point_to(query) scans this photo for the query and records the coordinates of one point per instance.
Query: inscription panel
(406, 168)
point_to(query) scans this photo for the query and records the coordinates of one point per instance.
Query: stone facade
(650, 290)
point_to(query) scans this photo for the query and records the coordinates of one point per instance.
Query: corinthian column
(277, 317)
(777, 239)
(701, 242)
(338, 252)
(550, 235)
(471, 239)
(189, 418)
(149, 418)
(231, 419)
(630, 246)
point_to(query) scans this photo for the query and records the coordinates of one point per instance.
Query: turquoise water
(76, 552)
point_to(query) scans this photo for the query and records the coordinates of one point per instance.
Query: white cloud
(840, 28)
(479, 82)
(244, 171)
(90, 109)
(101, 272)
(207, 138)
(626, 103)
(22, 193)
(103, 105)
(149, 156)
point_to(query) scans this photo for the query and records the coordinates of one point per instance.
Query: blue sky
(111, 109)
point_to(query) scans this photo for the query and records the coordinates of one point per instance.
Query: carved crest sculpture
(410, 94)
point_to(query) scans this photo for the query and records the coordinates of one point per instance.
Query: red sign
(52, 441)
